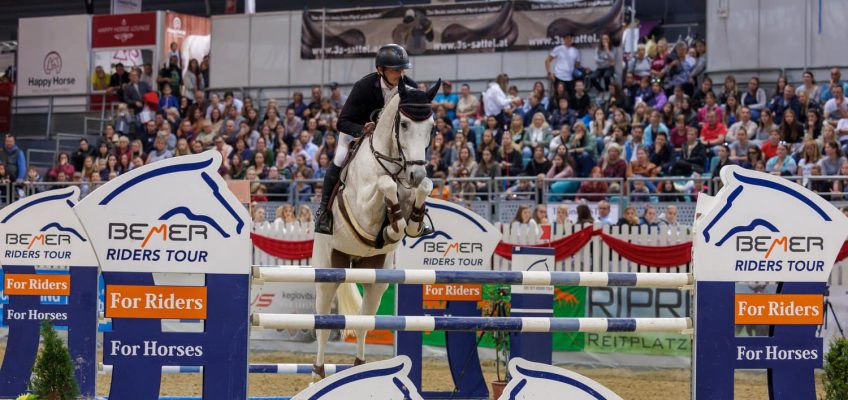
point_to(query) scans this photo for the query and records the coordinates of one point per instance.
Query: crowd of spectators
(663, 118)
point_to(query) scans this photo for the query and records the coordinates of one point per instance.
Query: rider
(369, 94)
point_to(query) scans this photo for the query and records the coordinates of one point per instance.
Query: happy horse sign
(175, 216)
(761, 227)
(42, 230)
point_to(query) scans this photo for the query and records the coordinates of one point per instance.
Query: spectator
(521, 190)
(540, 215)
(276, 187)
(765, 126)
(315, 102)
(488, 168)
(600, 125)
(563, 116)
(463, 190)
(750, 127)
(657, 97)
(755, 155)
(661, 153)
(820, 186)
(447, 99)
(669, 217)
(785, 101)
(813, 125)
(440, 189)
(699, 98)
(835, 81)
(465, 161)
(667, 192)
(298, 105)
(640, 65)
(676, 99)
(677, 70)
(740, 147)
(337, 99)
(840, 186)
(562, 223)
(63, 165)
(285, 215)
(809, 86)
(710, 105)
(604, 216)
(534, 107)
(584, 215)
(593, 190)
(538, 133)
(629, 218)
(723, 160)
(214, 104)
(583, 148)
(436, 165)
(612, 165)
(729, 89)
(832, 160)
(161, 152)
(837, 107)
(782, 163)
(791, 130)
(118, 81)
(495, 100)
(809, 157)
(170, 75)
(658, 57)
(693, 156)
(562, 62)
(134, 91)
(605, 59)
(642, 166)
(580, 100)
(79, 156)
(654, 127)
(636, 141)
(677, 135)
(100, 79)
(539, 164)
(649, 217)
(713, 131)
(769, 147)
(13, 158)
(730, 111)
(754, 98)
(510, 160)
(193, 80)
(467, 105)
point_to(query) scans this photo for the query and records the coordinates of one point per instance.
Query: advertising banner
(53, 61)
(190, 34)
(124, 30)
(462, 27)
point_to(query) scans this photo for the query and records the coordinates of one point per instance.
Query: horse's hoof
(358, 361)
(318, 372)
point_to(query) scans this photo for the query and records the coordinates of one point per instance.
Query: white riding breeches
(341, 149)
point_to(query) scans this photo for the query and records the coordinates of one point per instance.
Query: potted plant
(496, 303)
(53, 373)
(836, 370)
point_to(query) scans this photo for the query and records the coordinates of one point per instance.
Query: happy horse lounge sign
(762, 228)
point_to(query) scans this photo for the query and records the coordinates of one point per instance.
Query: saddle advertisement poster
(462, 27)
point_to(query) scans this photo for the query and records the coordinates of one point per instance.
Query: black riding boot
(324, 216)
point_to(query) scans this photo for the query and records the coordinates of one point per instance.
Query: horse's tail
(350, 302)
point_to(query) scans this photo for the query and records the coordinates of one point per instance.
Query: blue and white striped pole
(280, 369)
(512, 324)
(423, 277)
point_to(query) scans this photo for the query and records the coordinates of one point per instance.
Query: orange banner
(161, 302)
(37, 284)
(458, 292)
(375, 337)
(779, 309)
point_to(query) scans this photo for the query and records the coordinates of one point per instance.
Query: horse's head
(764, 228)
(387, 379)
(532, 380)
(411, 117)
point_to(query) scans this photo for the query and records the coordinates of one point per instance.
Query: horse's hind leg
(370, 303)
(321, 251)
(416, 220)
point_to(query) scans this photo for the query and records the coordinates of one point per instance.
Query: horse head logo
(178, 212)
(532, 380)
(764, 224)
(387, 379)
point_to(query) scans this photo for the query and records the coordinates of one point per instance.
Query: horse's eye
(404, 124)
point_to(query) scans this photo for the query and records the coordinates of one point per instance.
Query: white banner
(126, 6)
(50, 60)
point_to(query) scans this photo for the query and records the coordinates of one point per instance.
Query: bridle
(400, 162)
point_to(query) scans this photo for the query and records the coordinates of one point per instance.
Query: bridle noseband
(400, 162)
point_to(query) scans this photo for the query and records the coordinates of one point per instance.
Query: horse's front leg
(397, 225)
(416, 220)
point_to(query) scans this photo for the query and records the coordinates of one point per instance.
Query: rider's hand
(369, 127)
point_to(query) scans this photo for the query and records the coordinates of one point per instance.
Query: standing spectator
(495, 100)
(754, 98)
(447, 99)
(701, 62)
(118, 81)
(13, 158)
(604, 64)
(193, 80)
(84, 150)
(167, 100)
(147, 75)
(134, 92)
(639, 66)
(170, 75)
(835, 81)
(562, 62)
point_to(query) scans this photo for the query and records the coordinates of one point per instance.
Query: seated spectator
(580, 100)
(677, 97)
(832, 160)
(755, 155)
(465, 161)
(562, 222)
(730, 111)
(238, 168)
(782, 163)
(561, 138)
(837, 107)
(460, 142)
(516, 130)
(583, 148)
(743, 122)
(538, 133)
(511, 160)
(642, 166)
(699, 98)
(813, 125)
(534, 106)
(584, 215)
(224, 149)
(539, 164)
(677, 135)
(436, 165)
(710, 105)
(657, 98)
(640, 191)
(713, 131)
(467, 104)
(693, 156)
(669, 217)
(723, 160)
(754, 98)
(640, 65)
(649, 216)
(612, 165)
(786, 100)
(769, 147)
(277, 187)
(668, 192)
(630, 217)
(160, 152)
(809, 157)
(206, 135)
(82, 152)
(487, 169)
(840, 186)
(123, 120)
(655, 125)
(661, 153)
(600, 125)
(521, 190)
(302, 190)
(593, 190)
(740, 147)
(62, 165)
(321, 166)
(820, 186)
(563, 115)
(487, 142)
(791, 130)
(463, 190)
(604, 216)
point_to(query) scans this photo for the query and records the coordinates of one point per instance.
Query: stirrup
(427, 230)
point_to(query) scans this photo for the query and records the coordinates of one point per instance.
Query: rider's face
(392, 75)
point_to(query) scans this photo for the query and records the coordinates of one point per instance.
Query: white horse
(385, 181)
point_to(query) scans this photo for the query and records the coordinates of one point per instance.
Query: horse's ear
(431, 92)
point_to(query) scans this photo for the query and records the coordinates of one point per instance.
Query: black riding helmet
(393, 56)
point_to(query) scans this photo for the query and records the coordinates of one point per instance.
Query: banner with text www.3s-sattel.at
(175, 216)
(761, 227)
(42, 231)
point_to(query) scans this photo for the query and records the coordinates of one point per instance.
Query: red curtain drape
(563, 248)
(654, 256)
(285, 249)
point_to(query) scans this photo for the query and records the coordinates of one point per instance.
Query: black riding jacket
(365, 97)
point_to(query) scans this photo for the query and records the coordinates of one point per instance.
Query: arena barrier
(136, 226)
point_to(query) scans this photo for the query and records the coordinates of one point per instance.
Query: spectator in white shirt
(495, 100)
(562, 62)
(744, 122)
(837, 107)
